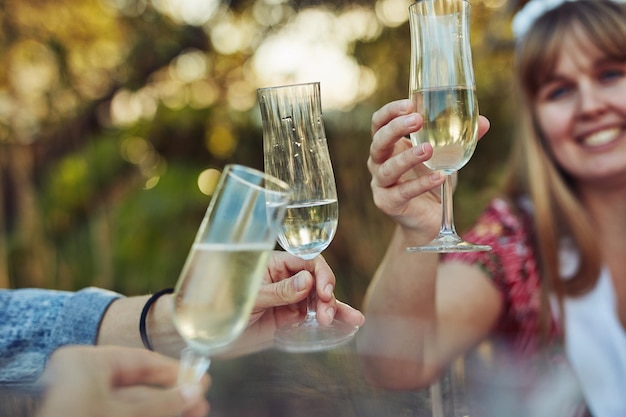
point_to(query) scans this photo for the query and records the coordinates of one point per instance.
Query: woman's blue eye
(557, 92)
(611, 74)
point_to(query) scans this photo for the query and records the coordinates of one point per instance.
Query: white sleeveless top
(595, 342)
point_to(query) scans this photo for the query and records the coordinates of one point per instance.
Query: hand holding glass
(443, 91)
(216, 290)
(295, 150)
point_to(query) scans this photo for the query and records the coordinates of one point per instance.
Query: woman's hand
(111, 381)
(282, 300)
(402, 186)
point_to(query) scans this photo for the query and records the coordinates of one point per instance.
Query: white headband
(533, 10)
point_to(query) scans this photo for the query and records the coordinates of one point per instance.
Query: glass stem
(311, 304)
(447, 218)
(193, 366)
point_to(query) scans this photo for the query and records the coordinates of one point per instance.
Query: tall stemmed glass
(295, 150)
(215, 292)
(443, 90)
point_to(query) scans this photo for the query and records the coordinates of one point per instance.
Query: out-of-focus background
(115, 114)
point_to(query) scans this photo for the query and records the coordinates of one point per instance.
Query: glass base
(449, 243)
(311, 336)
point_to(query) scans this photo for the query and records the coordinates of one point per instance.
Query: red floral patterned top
(513, 267)
(520, 360)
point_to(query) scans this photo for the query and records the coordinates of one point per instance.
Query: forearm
(400, 311)
(120, 325)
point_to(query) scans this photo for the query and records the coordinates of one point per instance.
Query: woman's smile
(601, 137)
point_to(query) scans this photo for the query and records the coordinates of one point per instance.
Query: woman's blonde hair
(557, 212)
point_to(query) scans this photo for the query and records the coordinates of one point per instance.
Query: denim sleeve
(35, 322)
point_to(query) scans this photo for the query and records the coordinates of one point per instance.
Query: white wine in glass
(450, 125)
(211, 312)
(443, 91)
(309, 227)
(296, 151)
(218, 285)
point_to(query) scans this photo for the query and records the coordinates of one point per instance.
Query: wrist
(406, 236)
(160, 328)
(145, 312)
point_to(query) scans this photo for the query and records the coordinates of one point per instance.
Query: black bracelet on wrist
(144, 315)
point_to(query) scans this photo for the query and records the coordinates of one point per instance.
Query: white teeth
(602, 137)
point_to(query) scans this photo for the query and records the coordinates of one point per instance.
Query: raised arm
(420, 313)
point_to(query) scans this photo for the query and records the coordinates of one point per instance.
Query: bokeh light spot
(393, 13)
(221, 142)
(136, 150)
(207, 181)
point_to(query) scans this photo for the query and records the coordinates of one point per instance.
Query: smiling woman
(580, 110)
(550, 299)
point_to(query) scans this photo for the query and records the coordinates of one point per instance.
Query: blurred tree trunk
(4, 235)
(35, 253)
(103, 250)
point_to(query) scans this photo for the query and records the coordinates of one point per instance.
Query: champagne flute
(220, 279)
(443, 90)
(296, 151)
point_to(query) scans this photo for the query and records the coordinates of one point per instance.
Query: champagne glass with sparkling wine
(296, 151)
(443, 91)
(215, 292)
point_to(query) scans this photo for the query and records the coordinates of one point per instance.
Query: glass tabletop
(273, 383)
